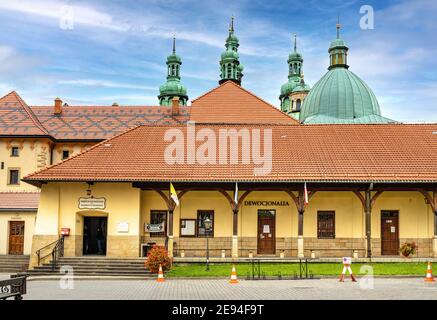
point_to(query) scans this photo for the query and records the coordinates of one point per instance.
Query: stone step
(94, 272)
(49, 267)
(95, 260)
(139, 275)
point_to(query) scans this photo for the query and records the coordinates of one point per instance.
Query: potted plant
(408, 248)
(158, 255)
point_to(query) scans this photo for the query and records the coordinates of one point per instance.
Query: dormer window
(15, 152)
(65, 154)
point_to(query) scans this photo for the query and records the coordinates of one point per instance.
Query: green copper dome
(295, 74)
(302, 87)
(173, 87)
(294, 56)
(229, 55)
(289, 86)
(337, 43)
(340, 94)
(174, 58)
(230, 67)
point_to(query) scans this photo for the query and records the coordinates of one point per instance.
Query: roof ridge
(80, 153)
(28, 110)
(249, 92)
(12, 92)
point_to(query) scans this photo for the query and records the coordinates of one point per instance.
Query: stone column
(170, 233)
(368, 213)
(300, 248)
(235, 234)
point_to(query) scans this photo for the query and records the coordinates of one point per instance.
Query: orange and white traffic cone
(347, 267)
(429, 277)
(160, 275)
(233, 275)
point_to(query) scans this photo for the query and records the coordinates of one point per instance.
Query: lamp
(207, 223)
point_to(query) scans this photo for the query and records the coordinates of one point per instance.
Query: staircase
(13, 263)
(97, 266)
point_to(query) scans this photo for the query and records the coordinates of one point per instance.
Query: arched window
(291, 105)
(298, 102)
(229, 71)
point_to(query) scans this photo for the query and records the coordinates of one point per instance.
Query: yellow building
(250, 179)
(370, 188)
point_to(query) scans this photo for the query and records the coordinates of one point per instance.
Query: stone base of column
(300, 253)
(170, 246)
(434, 246)
(234, 246)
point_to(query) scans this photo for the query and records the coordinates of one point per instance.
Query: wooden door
(390, 233)
(16, 237)
(266, 232)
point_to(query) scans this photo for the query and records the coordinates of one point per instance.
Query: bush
(158, 255)
(408, 248)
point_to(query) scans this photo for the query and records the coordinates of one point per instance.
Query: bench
(14, 287)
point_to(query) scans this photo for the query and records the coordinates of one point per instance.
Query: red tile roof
(17, 119)
(19, 201)
(103, 122)
(326, 153)
(228, 103)
(231, 103)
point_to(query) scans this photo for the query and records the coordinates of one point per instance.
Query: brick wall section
(339, 247)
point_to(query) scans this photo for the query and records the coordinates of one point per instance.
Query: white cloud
(54, 9)
(104, 83)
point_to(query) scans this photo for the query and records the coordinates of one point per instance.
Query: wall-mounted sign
(123, 227)
(154, 227)
(188, 227)
(92, 203)
(267, 203)
(65, 231)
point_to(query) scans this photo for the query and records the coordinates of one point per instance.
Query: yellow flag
(173, 194)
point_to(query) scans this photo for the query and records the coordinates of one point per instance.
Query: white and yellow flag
(173, 194)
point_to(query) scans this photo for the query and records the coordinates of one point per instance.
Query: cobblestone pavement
(405, 288)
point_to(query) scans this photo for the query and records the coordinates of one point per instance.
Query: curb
(85, 278)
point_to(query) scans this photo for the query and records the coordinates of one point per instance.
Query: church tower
(295, 90)
(230, 67)
(173, 87)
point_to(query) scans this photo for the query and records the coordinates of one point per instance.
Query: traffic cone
(233, 275)
(429, 277)
(160, 275)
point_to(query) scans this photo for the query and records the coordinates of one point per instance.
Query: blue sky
(116, 50)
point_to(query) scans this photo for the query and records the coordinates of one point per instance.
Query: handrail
(58, 252)
(38, 252)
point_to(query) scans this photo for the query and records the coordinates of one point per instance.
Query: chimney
(58, 106)
(175, 106)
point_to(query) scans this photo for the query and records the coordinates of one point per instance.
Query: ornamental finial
(295, 46)
(338, 26)
(174, 43)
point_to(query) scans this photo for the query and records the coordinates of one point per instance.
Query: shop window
(326, 224)
(15, 152)
(202, 228)
(14, 176)
(157, 217)
(65, 154)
